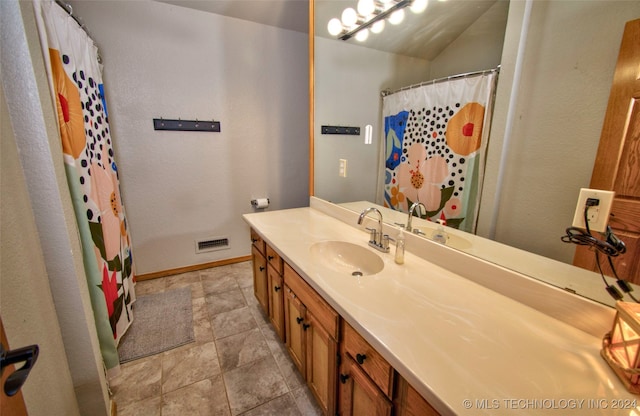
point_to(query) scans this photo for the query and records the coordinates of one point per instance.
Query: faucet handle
(373, 234)
(384, 242)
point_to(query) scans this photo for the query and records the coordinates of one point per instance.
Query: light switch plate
(598, 216)
(343, 168)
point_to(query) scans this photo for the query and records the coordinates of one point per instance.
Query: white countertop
(465, 348)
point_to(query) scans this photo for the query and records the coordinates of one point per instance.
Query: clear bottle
(440, 235)
(400, 247)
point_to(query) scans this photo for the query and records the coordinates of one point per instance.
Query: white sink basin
(347, 258)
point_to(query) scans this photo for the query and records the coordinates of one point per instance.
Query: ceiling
(422, 35)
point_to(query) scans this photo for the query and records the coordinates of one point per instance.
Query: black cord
(611, 247)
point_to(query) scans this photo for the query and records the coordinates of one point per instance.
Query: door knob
(28, 355)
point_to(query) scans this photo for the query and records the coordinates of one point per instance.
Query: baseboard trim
(186, 269)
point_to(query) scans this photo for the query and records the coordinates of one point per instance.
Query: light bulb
(334, 26)
(349, 17)
(362, 35)
(366, 7)
(377, 27)
(396, 17)
(418, 6)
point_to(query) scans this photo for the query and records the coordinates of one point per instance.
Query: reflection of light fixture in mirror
(334, 26)
(366, 7)
(362, 35)
(396, 17)
(349, 17)
(353, 22)
(377, 27)
(418, 6)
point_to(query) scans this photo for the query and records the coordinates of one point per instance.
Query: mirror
(532, 178)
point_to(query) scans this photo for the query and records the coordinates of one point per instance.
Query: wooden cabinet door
(408, 402)
(358, 394)
(322, 352)
(260, 281)
(276, 301)
(617, 165)
(294, 316)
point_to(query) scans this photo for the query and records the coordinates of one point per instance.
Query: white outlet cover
(599, 224)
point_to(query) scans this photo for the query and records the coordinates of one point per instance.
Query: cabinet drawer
(274, 259)
(369, 359)
(323, 312)
(257, 241)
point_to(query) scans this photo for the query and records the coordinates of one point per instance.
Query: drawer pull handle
(254, 240)
(261, 268)
(276, 288)
(344, 378)
(270, 258)
(299, 320)
(360, 358)
(305, 326)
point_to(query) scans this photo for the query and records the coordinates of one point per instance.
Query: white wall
(348, 80)
(568, 67)
(477, 48)
(162, 60)
(40, 236)
(26, 304)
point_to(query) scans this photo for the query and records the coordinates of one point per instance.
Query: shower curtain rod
(443, 79)
(69, 9)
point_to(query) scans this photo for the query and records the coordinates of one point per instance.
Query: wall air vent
(212, 244)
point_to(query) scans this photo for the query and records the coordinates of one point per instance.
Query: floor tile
(218, 282)
(139, 380)
(145, 287)
(237, 364)
(253, 384)
(241, 349)
(149, 407)
(232, 322)
(306, 402)
(225, 302)
(204, 398)
(284, 405)
(185, 367)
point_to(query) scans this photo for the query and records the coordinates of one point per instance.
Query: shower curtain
(92, 175)
(435, 145)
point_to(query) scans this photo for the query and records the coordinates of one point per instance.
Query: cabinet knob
(344, 378)
(305, 326)
(299, 320)
(360, 358)
(254, 240)
(276, 288)
(261, 268)
(270, 258)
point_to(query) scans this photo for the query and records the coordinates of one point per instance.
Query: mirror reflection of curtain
(435, 145)
(92, 174)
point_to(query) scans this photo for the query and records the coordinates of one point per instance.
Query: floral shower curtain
(435, 144)
(92, 174)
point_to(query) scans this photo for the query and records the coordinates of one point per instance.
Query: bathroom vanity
(420, 338)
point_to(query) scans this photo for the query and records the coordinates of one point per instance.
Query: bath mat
(161, 321)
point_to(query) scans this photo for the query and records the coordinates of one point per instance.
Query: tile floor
(236, 366)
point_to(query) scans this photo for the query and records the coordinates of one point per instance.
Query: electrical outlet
(598, 214)
(343, 168)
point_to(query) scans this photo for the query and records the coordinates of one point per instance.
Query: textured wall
(167, 61)
(563, 94)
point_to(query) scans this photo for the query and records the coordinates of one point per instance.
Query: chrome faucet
(377, 239)
(411, 210)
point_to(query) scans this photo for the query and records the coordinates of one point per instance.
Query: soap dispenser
(440, 235)
(400, 247)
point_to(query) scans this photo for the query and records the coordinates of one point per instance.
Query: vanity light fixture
(370, 17)
(621, 346)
